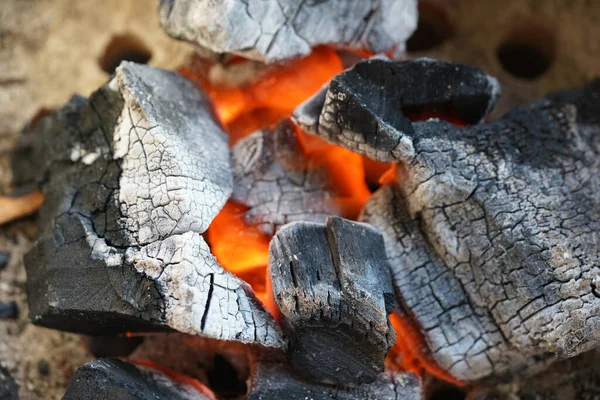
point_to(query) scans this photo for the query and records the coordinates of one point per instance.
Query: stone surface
(491, 235)
(118, 379)
(132, 177)
(332, 284)
(277, 30)
(365, 107)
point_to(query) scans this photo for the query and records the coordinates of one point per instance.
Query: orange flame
(177, 377)
(242, 248)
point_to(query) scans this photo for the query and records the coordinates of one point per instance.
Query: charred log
(277, 30)
(367, 108)
(274, 177)
(331, 283)
(492, 235)
(132, 177)
(119, 379)
(279, 381)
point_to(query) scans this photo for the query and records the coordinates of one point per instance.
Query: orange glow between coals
(242, 248)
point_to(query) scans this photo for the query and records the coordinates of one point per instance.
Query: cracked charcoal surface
(277, 30)
(493, 233)
(577, 378)
(272, 380)
(363, 108)
(132, 177)
(332, 284)
(280, 184)
(107, 378)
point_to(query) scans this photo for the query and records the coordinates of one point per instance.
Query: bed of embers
(344, 224)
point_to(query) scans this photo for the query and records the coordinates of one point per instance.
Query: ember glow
(241, 247)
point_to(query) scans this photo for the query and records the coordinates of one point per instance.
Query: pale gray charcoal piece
(368, 108)
(108, 378)
(278, 182)
(492, 235)
(132, 177)
(333, 287)
(278, 30)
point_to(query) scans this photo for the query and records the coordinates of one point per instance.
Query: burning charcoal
(577, 378)
(119, 379)
(277, 30)
(132, 177)
(278, 381)
(492, 235)
(8, 310)
(368, 109)
(331, 283)
(279, 182)
(8, 388)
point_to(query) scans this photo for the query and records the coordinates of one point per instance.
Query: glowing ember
(410, 351)
(177, 377)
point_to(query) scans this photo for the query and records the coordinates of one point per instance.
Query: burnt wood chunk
(332, 284)
(132, 177)
(368, 108)
(107, 378)
(277, 30)
(492, 235)
(577, 378)
(271, 380)
(280, 183)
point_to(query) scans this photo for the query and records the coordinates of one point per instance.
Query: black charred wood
(492, 235)
(132, 177)
(332, 284)
(365, 108)
(9, 310)
(106, 378)
(279, 381)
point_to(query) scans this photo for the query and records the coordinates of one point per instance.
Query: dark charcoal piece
(277, 30)
(278, 381)
(577, 378)
(132, 177)
(105, 379)
(363, 108)
(493, 233)
(9, 310)
(278, 182)
(8, 388)
(4, 258)
(331, 283)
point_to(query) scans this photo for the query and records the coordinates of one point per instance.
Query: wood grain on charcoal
(132, 177)
(107, 379)
(492, 234)
(277, 30)
(331, 283)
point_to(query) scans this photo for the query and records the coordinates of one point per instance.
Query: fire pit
(304, 208)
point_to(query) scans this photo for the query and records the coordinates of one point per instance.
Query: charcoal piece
(277, 30)
(367, 108)
(4, 258)
(132, 177)
(9, 310)
(107, 378)
(278, 182)
(332, 284)
(279, 381)
(8, 388)
(492, 236)
(577, 378)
